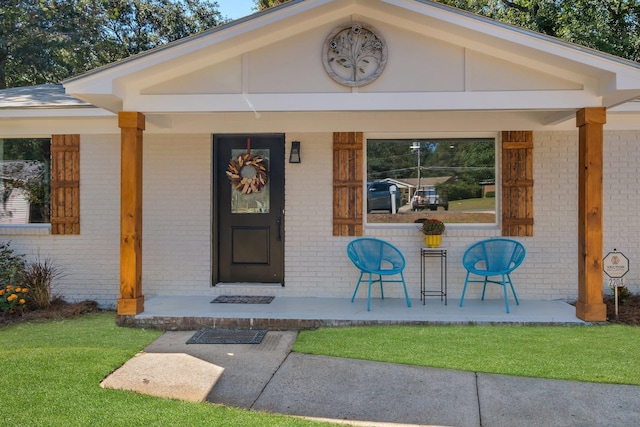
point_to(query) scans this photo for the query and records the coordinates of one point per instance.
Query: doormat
(228, 336)
(243, 299)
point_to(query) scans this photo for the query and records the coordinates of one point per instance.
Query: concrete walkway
(268, 377)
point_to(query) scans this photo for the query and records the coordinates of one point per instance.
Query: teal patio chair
(493, 258)
(376, 257)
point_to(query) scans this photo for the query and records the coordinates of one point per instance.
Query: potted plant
(432, 229)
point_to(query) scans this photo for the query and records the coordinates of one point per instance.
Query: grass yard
(605, 354)
(52, 371)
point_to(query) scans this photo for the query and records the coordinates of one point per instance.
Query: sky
(235, 9)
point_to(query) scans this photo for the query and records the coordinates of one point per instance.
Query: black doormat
(228, 336)
(243, 299)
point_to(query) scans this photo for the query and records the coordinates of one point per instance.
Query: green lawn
(606, 354)
(52, 371)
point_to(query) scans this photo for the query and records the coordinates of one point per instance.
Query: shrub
(460, 190)
(623, 293)
(13, 298)
(39, 276)
(11, 264)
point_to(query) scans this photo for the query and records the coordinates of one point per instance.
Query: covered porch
(194, 312)
(450, 74)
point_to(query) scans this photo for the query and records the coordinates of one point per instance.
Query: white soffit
(584, 77)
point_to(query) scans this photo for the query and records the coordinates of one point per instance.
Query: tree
(138, 25)
(611, 26)
(32, 35)
(266, 4)
(49, 40)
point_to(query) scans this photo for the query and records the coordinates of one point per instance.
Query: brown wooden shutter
(347, 183)
(517, 183)
(65, 184)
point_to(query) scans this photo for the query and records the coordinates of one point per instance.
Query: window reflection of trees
(25, 177)
(460, 169)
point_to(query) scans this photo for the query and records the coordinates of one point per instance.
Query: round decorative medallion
(247, 173)
(354, 54)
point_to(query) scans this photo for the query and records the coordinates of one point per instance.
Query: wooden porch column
(590, 306)
(131, 125)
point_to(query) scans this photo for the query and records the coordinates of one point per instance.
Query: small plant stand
(424, 292)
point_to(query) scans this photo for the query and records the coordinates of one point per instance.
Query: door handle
(279, 229)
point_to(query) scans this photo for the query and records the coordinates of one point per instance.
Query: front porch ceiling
(396, 122)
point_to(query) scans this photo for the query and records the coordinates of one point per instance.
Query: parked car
(428, 199)
(379, 196)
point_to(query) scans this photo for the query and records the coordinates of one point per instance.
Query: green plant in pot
(432, 229)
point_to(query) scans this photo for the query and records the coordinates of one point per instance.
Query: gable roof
(44, 100)
(40, 96)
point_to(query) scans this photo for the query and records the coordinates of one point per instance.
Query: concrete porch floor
(195, 312)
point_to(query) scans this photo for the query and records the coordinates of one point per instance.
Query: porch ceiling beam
(430, 101)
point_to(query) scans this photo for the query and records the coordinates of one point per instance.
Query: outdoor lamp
(294, 155)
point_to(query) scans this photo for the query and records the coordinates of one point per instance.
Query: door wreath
(248, 172)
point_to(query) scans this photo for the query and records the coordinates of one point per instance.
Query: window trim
(25, 229)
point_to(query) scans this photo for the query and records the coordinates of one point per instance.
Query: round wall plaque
(354, 54)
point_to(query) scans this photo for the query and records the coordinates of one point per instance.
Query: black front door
(249, 208)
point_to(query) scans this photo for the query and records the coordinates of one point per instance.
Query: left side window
(25, 180)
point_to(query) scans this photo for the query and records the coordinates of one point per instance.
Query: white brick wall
(315, 261)
(176, 215)
(622, 201)
(90, 260)
(177, 222)
(550, 269)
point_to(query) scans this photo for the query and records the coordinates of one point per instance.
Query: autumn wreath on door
(248, 172)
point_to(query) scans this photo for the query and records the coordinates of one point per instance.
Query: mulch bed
(628, 310)
(59, 309)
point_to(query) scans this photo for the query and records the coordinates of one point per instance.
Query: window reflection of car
(428, 199)
(379, 196)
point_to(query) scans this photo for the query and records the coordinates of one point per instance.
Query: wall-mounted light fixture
(294, 155)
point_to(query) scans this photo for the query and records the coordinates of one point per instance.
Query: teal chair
(376, 257)
(493, 258)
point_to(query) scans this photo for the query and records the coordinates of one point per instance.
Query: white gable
(419, 64)
(439, 59)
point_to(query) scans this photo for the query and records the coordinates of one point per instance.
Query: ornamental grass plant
(39, 276)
